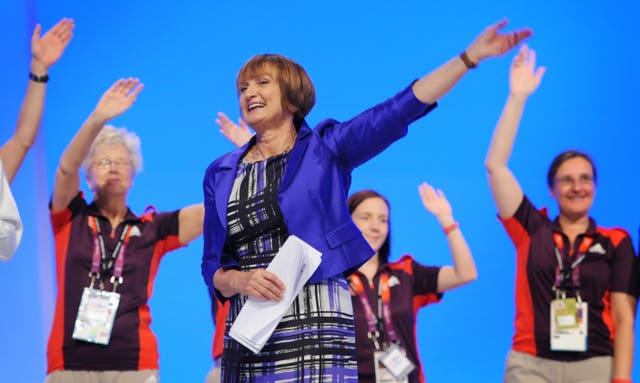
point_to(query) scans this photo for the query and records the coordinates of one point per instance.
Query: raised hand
(237, 134)
(493, 43)
(524, 78)
(435, 202)
(117, 99)
(46, 50)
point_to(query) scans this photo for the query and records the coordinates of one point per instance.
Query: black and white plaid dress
(315, 340)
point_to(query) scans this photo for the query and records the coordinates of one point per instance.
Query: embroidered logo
(135, 232)
(393, 280)
(597, 248)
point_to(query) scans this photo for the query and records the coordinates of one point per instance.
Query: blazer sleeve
(361, 138)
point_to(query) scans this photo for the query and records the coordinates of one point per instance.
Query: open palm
(524, 77)
(117, 99)
(434, 200)
(48, 48)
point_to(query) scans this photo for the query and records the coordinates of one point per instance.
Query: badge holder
(96, 314)
(569, 323)
(392, 365)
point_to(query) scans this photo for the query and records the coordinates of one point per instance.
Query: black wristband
(42, 79)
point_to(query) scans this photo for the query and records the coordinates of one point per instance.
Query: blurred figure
(45, 51)
(106, 256)
(575, 281)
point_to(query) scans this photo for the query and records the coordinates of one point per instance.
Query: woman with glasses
(575, 281)
(106, 256)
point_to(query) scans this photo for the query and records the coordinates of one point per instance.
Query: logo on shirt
(598, 249)
(393, 280)
(135, 232)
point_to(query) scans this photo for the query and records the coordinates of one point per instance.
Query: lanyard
(384, 308)
(567, 272)
(100, 252)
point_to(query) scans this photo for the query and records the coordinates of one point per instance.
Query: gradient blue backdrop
(358, 53)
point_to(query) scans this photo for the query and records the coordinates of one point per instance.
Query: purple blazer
(313, 192)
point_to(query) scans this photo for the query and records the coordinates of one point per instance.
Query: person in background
(45, 51)
(106, 256)
(292, 180)
(575, 281)
(386, 295)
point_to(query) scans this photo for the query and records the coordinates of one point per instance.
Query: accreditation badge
(96, 315)
(392, 365)
(569, 323)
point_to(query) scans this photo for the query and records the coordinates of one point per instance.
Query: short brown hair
(298, 92)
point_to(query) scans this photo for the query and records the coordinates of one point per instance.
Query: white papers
(294, 264)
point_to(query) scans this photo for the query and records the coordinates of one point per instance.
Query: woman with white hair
(106, 256)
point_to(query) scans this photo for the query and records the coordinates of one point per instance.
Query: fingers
(36, 33)
(129, 87)
(266, 285)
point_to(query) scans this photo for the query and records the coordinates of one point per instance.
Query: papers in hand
(294, 264)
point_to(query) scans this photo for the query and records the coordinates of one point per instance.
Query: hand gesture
(492, 43)
(261, 284)
(47, 49)
(117, 99)
(524, 77)
(435, 202)
(237, 134)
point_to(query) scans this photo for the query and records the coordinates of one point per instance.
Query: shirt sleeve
(524, 222)
(624, 268)
(10, 222)
(168, 230)
(425, 284)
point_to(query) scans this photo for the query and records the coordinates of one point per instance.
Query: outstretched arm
(45, 51)
(115, 101)
(464, 268)
(237, 134)
(524, 80)
(489, 43)
(191, 219)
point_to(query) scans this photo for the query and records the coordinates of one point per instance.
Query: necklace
(257, 153)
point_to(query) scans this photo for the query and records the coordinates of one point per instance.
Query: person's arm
(10, 222)
(489, 43)
(45, 51)
(524, 80)
(623, 310)
(191, 220)
(237, 134)
(463, 270)
(115, 101)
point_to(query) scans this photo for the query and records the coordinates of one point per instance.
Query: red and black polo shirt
(608, 267)
(412, 286)
(132, 346)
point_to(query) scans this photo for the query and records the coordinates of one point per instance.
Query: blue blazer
(313, 192)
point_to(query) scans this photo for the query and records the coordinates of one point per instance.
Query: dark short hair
(562, 158)
(359, 197)
(298, 92)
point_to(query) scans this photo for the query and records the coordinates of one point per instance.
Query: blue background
(358, 53)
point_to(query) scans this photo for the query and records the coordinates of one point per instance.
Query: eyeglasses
(118, 164)
(583, 180)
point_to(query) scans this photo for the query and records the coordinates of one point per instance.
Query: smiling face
(261, 101)
(372, 218)
(110, 172)
(574, 187)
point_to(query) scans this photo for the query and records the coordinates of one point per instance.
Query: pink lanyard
(100, 252)
(384, 308)
(567, 272)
